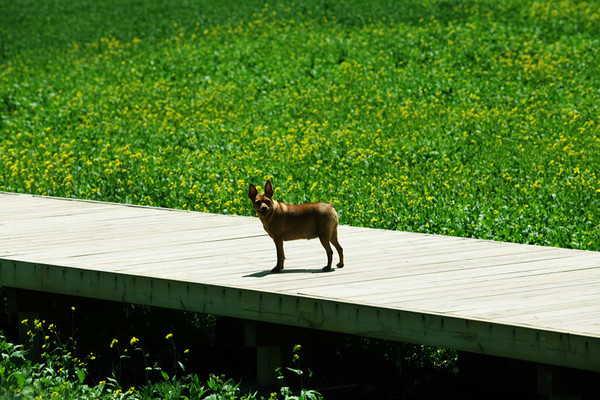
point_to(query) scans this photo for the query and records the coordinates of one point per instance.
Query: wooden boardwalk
(527, 302)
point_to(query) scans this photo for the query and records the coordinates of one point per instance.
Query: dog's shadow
(262, 274)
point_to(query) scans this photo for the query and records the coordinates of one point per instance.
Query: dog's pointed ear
(252, 192)
(269, 190)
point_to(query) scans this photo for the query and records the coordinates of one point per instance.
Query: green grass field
(475, 119)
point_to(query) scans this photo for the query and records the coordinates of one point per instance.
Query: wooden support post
(269, 350)
(268, 360)
(496, 377)
(272, 343)
(25, 308)
(502, 377)
(560, 383)
(23, 305)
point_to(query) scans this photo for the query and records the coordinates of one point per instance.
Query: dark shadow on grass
(262, 274)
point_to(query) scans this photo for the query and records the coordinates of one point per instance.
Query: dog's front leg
(280, 254)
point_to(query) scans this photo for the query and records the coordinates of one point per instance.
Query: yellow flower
(114, 343)
(133, 340)
(169, 336)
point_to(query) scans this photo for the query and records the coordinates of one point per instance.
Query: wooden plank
(154, 242)
(488, 267)
(117, 221)
(464, 301)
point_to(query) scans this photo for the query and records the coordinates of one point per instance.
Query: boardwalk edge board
(482, 337)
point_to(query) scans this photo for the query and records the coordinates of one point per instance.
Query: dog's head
(262, 202)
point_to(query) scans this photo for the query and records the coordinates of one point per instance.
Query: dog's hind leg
(336, 244)
(325, 242)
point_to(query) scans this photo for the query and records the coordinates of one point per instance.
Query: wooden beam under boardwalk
(525, 302)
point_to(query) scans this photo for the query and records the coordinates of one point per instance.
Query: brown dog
(290, 222)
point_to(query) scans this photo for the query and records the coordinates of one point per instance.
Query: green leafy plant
(57, 373)
(470, 119)
(286, 391)
(15, 368)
